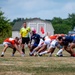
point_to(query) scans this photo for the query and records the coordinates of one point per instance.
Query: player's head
(16, 39)
(33, 30)
(60, 39)
(24, 25)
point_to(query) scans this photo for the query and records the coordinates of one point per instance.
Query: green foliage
(59, 29)
(71, 19)
(56, 20)
(5, 27)
(63, 25)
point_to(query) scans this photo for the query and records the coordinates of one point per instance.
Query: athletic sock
(23, 50)
(2, 53)
(50, 54)
(60, 52)
(14, 50)
(33, 52)
(43, 53)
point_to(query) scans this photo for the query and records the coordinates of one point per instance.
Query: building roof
(18, 24)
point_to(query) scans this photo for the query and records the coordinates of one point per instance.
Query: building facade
(36, 23)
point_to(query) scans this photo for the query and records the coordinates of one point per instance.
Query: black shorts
(25, 40)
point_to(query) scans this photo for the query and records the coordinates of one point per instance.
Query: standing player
(24, 32)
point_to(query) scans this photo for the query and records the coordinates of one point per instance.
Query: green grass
(36, 65)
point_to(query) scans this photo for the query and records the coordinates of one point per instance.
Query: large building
(36, 23)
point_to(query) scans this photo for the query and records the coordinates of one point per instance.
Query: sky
(44, 9)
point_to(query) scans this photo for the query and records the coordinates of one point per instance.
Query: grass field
(44, 65)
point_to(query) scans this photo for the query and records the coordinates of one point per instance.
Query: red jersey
(10, 40)
(52, 37)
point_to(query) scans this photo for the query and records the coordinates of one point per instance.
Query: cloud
(70, 7)
(45, 9)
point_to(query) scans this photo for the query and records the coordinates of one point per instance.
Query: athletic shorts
(9, 44)
(41, 43)
(25, 40)
(53, 44)
(47, 41)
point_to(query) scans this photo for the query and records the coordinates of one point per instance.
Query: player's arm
(15, 46)
(21, 33)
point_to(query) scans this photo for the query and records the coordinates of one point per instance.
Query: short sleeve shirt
(10, 40)
(24, 32)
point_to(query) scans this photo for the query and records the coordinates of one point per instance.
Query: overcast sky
(44, 9)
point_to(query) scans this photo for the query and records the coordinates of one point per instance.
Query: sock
(2, 53)
(50, 54)
(60, 52)
(14, 50)
(33, 51)
(23, 50)
(43, 53)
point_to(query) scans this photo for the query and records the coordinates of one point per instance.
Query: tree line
(60, 25)
(5, 27)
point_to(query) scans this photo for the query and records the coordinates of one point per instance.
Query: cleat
(22, 55)
(39, 55)
(73, 55)
(31, 54)
(59, 55)
(12, 55)
(2, 55)
(36, 54)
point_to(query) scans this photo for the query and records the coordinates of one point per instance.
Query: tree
(61, 29)
(5, 27)
(71, 20)
(61, 25)
(56, 20)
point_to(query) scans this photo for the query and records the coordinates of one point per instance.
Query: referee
(24, 32)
